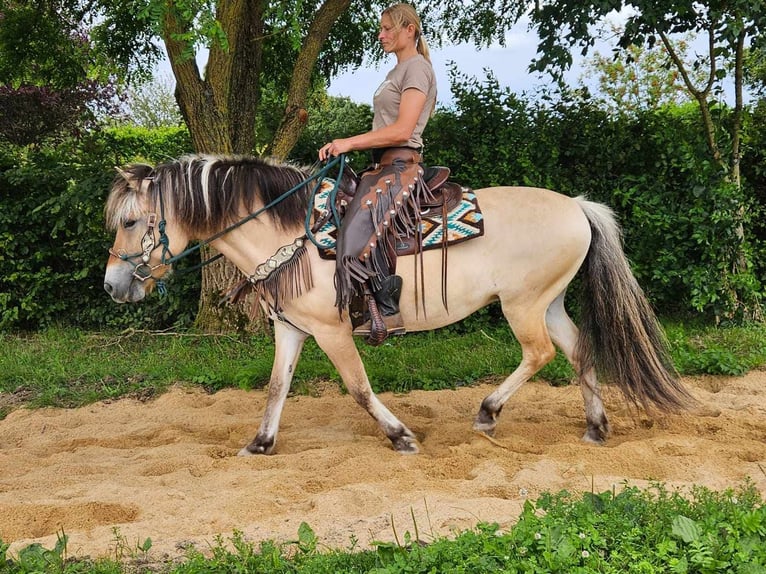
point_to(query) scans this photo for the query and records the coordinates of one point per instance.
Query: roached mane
(205, 192)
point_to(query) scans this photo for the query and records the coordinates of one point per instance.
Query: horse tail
(620, 335)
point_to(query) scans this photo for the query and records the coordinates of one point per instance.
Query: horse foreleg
(537, 350)
(564, 334)
(288, 343)
(341, 350)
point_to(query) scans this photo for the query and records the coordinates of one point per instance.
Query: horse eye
(128, 223)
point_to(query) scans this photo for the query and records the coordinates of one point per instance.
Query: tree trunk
(220, 107)
(730, 164)
(219, 110)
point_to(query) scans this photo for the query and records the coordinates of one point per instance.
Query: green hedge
(680, 217)
(53, 244)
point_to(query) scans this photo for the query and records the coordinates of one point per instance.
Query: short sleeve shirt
(414, 73)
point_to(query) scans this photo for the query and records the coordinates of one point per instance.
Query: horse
(535, 241)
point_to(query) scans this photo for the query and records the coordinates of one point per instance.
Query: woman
(366, 257)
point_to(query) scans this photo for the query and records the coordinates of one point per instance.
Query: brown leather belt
(387, 156)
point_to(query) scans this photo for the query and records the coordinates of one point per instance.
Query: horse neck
(252, 243)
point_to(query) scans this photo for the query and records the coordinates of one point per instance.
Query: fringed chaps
(384, 209)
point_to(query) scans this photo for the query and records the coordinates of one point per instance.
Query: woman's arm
(396, 134)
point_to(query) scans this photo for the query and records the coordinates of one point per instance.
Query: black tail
(619, 333)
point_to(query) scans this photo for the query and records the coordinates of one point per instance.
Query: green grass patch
(717, 350)
(69, 368)
(621, 531)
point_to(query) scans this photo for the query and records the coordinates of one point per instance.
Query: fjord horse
(535, 242)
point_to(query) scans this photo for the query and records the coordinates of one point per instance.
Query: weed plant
(622, 531)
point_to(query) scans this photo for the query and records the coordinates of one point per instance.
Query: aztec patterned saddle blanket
(463, 221)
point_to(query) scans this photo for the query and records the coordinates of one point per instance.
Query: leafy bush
(697, 244)
(52, 237)
(695, 240)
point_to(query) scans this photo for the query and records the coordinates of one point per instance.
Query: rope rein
(143, 271)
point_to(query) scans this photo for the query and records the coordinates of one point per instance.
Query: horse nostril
(108, 287)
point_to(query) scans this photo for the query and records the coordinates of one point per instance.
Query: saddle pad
(464, 222)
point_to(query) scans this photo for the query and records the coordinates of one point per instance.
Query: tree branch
(292, 122)
(700, 95)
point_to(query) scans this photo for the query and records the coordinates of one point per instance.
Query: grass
(69, 368)
(626, 530)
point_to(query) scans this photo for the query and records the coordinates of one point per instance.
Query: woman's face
(393, 39)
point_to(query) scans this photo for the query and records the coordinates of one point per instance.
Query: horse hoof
(257, 447)
(593, 438)
(486, 419)
(253, 451)
(596, 435)
(406, 445)
(597, 432)
(487, 428)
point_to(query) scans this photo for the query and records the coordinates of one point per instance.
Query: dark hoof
(258, 446)
(597, 433)
(486, 420)
(406, 443)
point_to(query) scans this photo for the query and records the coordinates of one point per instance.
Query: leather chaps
(374, 220)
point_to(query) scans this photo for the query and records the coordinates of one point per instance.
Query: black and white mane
(207, 192)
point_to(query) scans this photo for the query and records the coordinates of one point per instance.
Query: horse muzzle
(121, 285)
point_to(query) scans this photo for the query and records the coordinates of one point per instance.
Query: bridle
(140, 260)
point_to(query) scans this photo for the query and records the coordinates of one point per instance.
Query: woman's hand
(335, 148)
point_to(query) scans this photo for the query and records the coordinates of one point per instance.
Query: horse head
(136, 212)
(156, 211)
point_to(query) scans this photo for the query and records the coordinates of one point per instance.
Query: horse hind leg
(564, 334)
(528, 326)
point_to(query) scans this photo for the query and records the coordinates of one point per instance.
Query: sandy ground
(166, 469)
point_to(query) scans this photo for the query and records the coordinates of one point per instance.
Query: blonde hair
(402, 15)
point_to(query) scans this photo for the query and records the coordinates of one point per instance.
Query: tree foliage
(265, 57)
(679, 214)
(755, 70)
(52, 76)
(651, 167)
(728, 27)
(644, 79)
(152, 104)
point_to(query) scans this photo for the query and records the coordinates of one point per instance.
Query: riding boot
(386, 301)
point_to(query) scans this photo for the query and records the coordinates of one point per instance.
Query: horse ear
(129, 178)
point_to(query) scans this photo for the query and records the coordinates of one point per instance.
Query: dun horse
(535, 241)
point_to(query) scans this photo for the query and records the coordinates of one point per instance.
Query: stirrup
(393, 323)
(378, 327)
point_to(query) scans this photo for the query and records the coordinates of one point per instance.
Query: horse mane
(124, 200)
(205, 192)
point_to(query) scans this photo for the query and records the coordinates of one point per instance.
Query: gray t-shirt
(415, 72)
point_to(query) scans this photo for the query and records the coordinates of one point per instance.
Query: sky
(508, 64)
